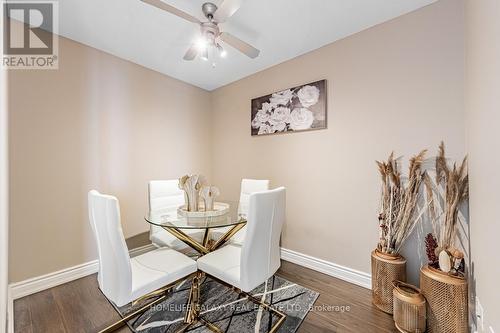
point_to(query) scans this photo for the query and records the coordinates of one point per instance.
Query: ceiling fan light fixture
(204, 54)
(222, 52)
(201, 44)
(206, 44)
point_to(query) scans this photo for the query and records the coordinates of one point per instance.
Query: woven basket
(409, 308)
(447, 304)
(386, 269)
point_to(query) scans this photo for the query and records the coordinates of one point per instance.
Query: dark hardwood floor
(79, 306)
(362, 316)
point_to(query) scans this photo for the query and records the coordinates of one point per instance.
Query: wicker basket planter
(386, 269)
(409, 308)
(447, 304)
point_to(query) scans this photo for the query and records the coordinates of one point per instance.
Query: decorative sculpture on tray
(208, 194)
(192, 184)
(195, 186)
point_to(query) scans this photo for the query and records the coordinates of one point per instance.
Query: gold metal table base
(192, 315)
(206, 246)
(258, 302)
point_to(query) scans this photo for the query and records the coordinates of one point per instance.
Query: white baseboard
(36, 284)
(39, 283)
(344, 273)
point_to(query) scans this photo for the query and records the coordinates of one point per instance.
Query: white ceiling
(281, 29)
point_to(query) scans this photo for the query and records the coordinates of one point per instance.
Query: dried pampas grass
(399, 201)
(454, 181)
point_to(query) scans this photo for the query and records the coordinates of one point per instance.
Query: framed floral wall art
(301, 108)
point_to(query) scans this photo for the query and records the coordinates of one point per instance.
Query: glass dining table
(178, 223)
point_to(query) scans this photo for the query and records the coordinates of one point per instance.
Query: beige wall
(396, 86)
(101, 122)
(97, 122)
(483, 141)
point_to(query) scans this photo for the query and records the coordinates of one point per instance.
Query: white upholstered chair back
(260, 253)
(165, 194)
(115, 275)
(249, 186)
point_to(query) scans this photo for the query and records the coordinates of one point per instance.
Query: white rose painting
(296, 109)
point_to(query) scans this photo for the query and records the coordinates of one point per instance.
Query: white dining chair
(166, 195)
(123, 279)
(248, 186)
(246, 267)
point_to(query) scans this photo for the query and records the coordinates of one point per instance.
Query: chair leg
(164, 290)
(124, 320)
(253, 299)
(214, 328)
(152, 294)
(184, 327)
(266, 306)
(193, 308)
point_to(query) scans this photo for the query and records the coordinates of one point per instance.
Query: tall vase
(192, 200)
(191, 188)
(447, 301)
(208, 194)
(386, 268)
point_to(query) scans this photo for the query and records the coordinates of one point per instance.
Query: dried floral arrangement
(399, 200)
(450, 190)
(430, 248)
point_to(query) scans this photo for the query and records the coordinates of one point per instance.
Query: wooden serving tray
(220, 208)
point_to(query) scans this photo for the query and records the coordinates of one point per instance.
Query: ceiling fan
(211, 36)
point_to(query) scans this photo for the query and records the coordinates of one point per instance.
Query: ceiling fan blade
(227, 9)
(240, 45)
(171, 9)
(191, 53)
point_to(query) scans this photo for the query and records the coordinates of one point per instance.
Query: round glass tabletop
(173, 218)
